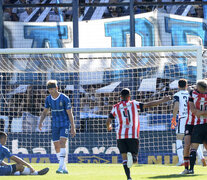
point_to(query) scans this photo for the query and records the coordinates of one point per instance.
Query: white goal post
(93, 78)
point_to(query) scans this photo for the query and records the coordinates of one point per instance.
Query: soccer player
(198, 100)
(189, 127)
(21, 166)
(181, 105)
(62, 118)
(127, 117)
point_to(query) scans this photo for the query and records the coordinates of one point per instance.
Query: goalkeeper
(21, 166)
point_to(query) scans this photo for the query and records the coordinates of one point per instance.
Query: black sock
(126, 169)
(192, 158)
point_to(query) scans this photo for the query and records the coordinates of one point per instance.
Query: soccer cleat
(203, 162)
(43, 171)
(65, 171)
(184, 172)
(190, 171)
(59, 171)
(129, 160)
(180, 164)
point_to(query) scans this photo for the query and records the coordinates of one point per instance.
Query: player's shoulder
(4, 148)
(64, 96)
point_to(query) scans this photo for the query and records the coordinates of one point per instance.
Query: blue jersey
(4, 153)
(58, 109)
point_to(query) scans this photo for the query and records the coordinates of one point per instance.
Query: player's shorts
(181, 125)
(7, 170)
(199, 134)
(58, 132)
(128, 145)
(189, 129)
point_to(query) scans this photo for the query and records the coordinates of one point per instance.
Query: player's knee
(19, 167)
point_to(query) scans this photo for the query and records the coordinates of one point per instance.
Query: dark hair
(2, 134)
(125, 93)
(182, 83)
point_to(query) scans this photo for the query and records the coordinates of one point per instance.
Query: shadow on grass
(172, 176)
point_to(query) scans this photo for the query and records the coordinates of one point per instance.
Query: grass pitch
(114, 172)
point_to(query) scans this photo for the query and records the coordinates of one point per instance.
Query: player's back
(58, 108)
(182, 97)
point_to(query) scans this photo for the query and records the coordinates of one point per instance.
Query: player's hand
(40, 126)
(109, 127)
(73, 131)
(173, 123)
(167, 98)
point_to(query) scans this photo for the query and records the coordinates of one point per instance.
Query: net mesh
(93, 82)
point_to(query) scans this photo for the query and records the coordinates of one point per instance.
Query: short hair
(202, 84)
(182, 83)
(2, 134)
(125, 92)
(51, 84)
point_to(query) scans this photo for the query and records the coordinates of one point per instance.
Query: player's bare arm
(175, 109)
(108, 124)
(73, 129)
(157, 102)
(22, 162)
(195, 111)
(3, 163)
(42, 117)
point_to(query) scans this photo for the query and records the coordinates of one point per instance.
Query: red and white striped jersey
(127, 119)
(200, 102)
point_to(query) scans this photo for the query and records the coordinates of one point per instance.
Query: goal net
(93, 78)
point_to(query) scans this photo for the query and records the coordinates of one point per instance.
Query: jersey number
(186, 101)
(127, 115)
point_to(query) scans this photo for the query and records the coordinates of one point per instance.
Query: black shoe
(190, 171)
(43, 171)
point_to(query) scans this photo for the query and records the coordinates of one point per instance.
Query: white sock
(58, 157)
(200, 151)
(62, 157)
(34, 173)
(17, 173)
(26, 171)
(179, 147)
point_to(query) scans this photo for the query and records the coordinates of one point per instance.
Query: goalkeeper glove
(173, 123)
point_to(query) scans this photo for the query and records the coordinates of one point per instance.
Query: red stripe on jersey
(138, 128)
(120, 120)
(133, 119)
(127, 119)
(197, 105)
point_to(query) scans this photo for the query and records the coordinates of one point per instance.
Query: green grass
(114, 172)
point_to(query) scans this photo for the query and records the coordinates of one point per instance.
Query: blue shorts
(6, 170)
(57, 133)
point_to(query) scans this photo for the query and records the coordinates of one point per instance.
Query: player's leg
(179, 140)
(8, 170)
(196, 139)
(56, 142)
(133, 147)
(122, 146)
(200, 154)
(64, 132)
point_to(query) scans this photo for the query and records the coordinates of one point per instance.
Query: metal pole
(76, 79)
(132, 24)
(1, 26)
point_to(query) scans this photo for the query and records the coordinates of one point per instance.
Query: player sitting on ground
(6, 169)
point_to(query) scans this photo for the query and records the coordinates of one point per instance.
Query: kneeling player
(6, 169)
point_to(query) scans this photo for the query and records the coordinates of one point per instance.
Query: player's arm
(70, 115)
(195, 111)
(156, 102)
(108, 122)
(42, 117)
(22, 162)
(2, 163)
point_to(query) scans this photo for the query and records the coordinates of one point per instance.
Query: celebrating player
(197, 97)
(21, 166)
(62, 117)
(198, 100)
(127, 117)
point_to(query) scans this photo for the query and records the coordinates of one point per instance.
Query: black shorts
(128, 145)
(188, 129)
(199, 134)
